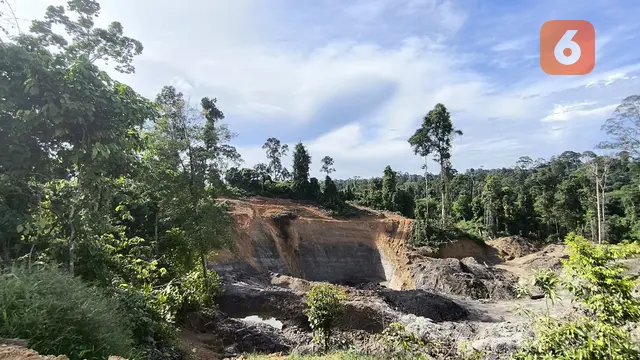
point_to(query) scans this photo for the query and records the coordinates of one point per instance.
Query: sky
(352, 79)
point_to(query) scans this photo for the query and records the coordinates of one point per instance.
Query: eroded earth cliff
(462, 292)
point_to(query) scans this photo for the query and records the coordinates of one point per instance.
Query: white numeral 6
(566, 42)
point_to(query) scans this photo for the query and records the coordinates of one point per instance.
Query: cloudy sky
(352, 78)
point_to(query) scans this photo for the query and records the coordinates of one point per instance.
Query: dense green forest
(118, 197)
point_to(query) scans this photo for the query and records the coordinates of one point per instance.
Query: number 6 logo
(567, 47)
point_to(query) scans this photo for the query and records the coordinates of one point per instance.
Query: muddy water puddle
(254, 319)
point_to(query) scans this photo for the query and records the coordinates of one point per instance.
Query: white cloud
(567, 112)
(266, 75)
(510, 45)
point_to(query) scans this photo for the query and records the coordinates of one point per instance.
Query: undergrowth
(57, 313)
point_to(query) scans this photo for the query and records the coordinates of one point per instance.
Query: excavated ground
(462, 292)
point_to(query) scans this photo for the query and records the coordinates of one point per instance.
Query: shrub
(153, 333)
(598, 281)
(57, 313)
(431, 233)
(325, 308)
(403, 344)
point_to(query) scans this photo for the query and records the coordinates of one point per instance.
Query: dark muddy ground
(493, 326)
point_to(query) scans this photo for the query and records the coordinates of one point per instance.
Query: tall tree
(624, 127)
(60, 113)
(327, 165)
(389, 183)
(301, 164)
(435, 136)
(184, 150)
(275, 151)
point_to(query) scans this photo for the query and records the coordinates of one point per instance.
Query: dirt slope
(303, 241)
(312, 245)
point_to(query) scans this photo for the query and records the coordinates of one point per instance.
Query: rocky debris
(424, 304)
(512, 247)
(464, 277)
(232, 336)
(245, 298)
(16, 352)
(295, 284)
(371, 315)
(498, 340)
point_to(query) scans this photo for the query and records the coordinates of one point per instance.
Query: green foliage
(59, 314)
(331, 198)
(327, 165)
(582, 339)
(432, 234)
(275, 151)
(601, 282)
(119, 190)
(403, 344)
(598, 281)
(301, 164)
(151, 322)
(324, 309)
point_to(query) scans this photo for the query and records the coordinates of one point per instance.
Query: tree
(301, 164)
(599, 281)
(185, 150)
(61, 114)
(331, 196)
(422, 144)
(87, 43)
(389, 184)
(327, 163)
(435, 136)
(275, 152)
(624, 127)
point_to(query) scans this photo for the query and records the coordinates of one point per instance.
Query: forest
(593, 195)
(116, 200)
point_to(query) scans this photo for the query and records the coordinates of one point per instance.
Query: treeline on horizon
(596, 196)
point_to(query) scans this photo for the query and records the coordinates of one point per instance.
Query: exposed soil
(461, 292)
(511, 247)
(17, 352)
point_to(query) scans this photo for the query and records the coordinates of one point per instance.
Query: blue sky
(352, 78)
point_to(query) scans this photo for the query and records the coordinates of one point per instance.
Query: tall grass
(58, 314)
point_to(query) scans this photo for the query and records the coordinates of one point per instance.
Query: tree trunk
(598, 211)
(205, 275)
(602, 204)
(155, 229)
(72, 236)
(443, 179)
(426, 185)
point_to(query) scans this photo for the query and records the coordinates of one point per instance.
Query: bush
(431, 233)
(599, 283)
(402, 344)
(153, 333)
(326, 306)
(57, 314)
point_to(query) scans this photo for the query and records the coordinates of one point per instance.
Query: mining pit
(461, 292)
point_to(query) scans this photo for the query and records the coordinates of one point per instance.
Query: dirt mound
(15, 352)
(465, 248)
(425, 304)
(246, 298)
(464, 277)
(215, 333)
(512, 247)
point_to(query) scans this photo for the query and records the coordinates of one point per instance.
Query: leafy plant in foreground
(597, 280)
(325, 307)
(57, 313)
